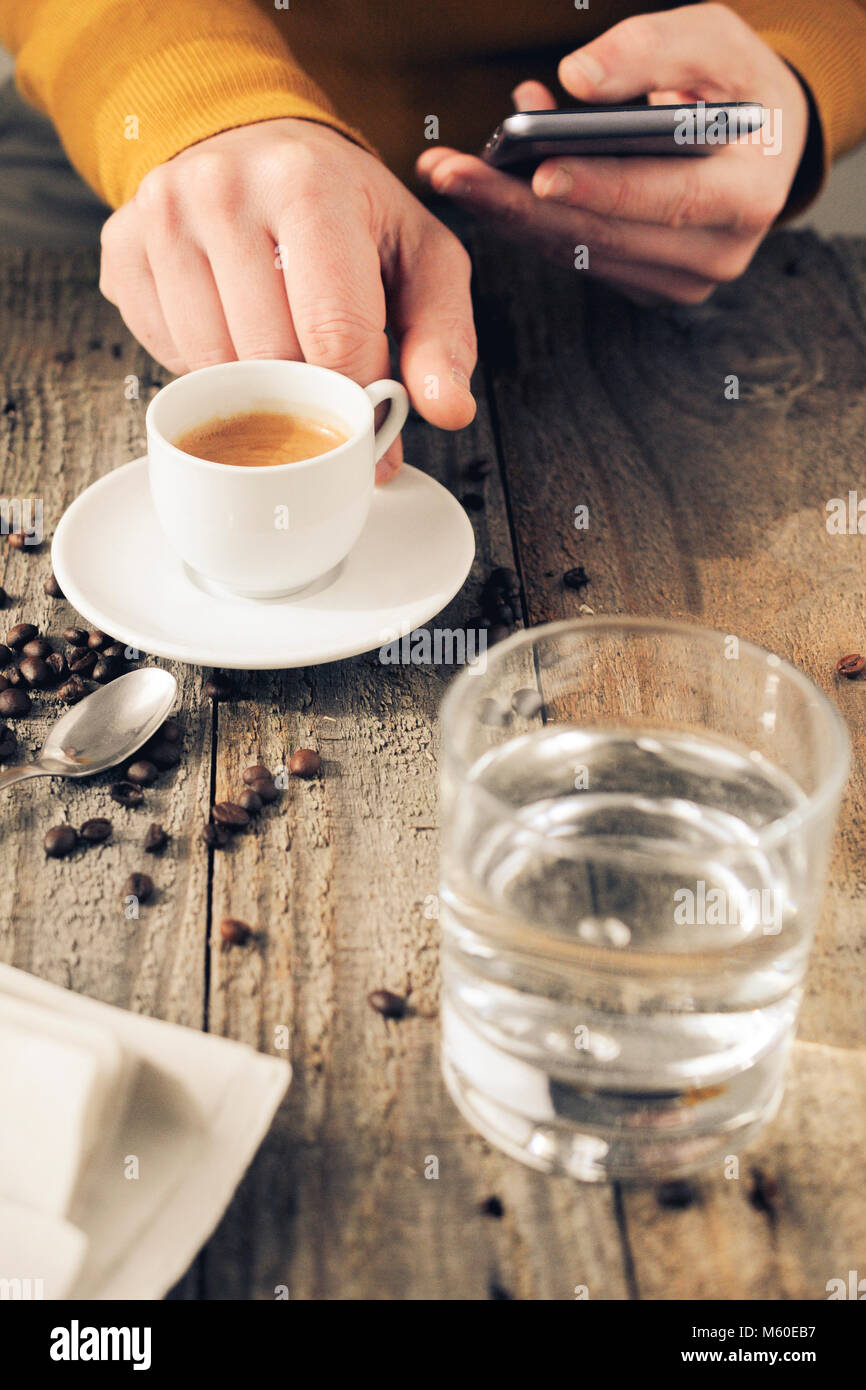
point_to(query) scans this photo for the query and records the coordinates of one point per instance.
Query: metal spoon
(104, 728)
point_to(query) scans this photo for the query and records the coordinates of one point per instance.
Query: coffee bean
(83, 664)
(155, 840)
(576, 579)
(676, 1194)
(14, 676)
(492, 1206)
(387, 1004)
(230, 815)
(104, 671)
(851, 665)
(19, 634)
(256, 774)
(492, 713)
(4, 597)
(37, 646)
(56, 664)
(304, 762)
(250, 801)
(52, 588)
(14, 704)
(170, 731)
(95, 831)
(233, 932)
(16, 540)
(498, 633)
(72, 690)
(97, 640)
(526, 703)
(35, 672)
(472, 501)
(218, 688)
(60, 841)
(504, 580)
(5, 655)
(127, 794)
(75, 636)
(266, 788)
(115, 651)
(142, 772)
(215, 836)
(138, 886)
(8, 743)
(4, 684)
(478, 468)
(165, 755)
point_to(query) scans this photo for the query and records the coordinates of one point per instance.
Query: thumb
(705, 49)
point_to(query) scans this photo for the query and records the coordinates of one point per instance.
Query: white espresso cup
(268, 530)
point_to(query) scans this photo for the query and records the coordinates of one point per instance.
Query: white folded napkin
(122, 1139)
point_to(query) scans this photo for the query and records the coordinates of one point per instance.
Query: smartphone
(528, 137)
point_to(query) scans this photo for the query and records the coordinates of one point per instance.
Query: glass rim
(831, 784)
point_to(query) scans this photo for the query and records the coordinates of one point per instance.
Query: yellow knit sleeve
(130, 83)
(825, 41)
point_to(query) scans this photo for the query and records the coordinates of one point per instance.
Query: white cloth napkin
(151, 1127)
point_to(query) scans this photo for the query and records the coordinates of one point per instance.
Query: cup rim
(816, 803)
(258, 468)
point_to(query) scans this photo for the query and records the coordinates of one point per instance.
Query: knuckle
(206, 356)
(213, 185)
(687, 207)
(340, 341)
(693, 291)
(636, 38)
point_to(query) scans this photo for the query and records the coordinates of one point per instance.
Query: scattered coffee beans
(37, 646)
(97, 641)
(215, 836)
(16, 540)
(472, 501)
(258, 773)
(233, 932)
(5, 654)
(230, 815)
(95, 831)
(14, 676)
(170, 731)
(4, 597)
(19, 634)
(35, 672)
(387, 1004)
(250, 801)
(142, 773)
(576, 578)
(478, 468)
(115, 651)
(164, 755)
(155, 840)
(218, 688)
(8, 743)
(72, 690)
(304, 762)
(526, 703)
(75, 636)
(491, 713)
(675, 1195)
(60, 841)
(56, 664)
(83, 663)
(52, 588)
(266, 788)
(138, 886)
(850, 665)
(127, 794)
(4, 684)
(497, 633)
(492, 1206)
(104, 671)
(14, 704)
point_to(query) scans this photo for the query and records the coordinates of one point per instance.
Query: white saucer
(116, 567)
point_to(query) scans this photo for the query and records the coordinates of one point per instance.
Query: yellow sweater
(129, 83)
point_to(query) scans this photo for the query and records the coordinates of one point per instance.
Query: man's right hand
(285, 240)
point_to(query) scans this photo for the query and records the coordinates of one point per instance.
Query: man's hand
(283, 239)
(657, 227)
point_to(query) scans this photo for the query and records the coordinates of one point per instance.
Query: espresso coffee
(261, 439)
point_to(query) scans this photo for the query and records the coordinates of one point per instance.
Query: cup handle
(396, 418)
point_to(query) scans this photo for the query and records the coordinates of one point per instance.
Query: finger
(190, 301)
(728, 190)
(533, 96)
(126, 280)
(705, 49)
(431, 312)
(248, 271)
(647, 283)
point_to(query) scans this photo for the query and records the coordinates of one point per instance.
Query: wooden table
(701, 507)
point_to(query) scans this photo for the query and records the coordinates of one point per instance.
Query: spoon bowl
(104, 729)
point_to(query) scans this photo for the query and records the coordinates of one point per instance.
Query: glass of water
(637, 817)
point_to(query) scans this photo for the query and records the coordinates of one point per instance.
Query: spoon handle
(8, 775)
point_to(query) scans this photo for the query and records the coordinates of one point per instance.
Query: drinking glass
(637, 817)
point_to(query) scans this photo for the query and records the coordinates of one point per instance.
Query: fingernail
(589, 66)
(460, 377)
(559, 185)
